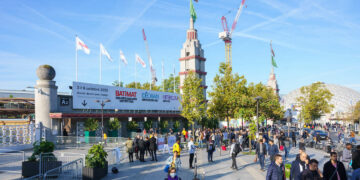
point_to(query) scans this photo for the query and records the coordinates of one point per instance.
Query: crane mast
(226, 35)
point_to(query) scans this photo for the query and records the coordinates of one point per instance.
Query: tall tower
(192, 57)
(272, 82)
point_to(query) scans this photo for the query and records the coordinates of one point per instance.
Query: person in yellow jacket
(105, 137)
(184, 134)
(176, 148)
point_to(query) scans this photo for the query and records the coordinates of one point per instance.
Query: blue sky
(313, 40)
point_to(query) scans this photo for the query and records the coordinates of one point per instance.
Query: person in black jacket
(333, 169)
(261, 153)
(313, 173)
(210, 148)
(147, 146)
(356, 158)
(136, 146)
(142, 149)
(276, 170)
(153, 148)
(298, 166)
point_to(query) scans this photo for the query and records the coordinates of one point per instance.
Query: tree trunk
(228, 121)
(249, 143)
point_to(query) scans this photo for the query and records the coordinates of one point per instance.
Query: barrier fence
(9, 161)
(70, 170)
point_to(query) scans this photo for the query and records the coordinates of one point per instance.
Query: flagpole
(76, 61)
(119, 70)
(162, 74)
(174, 78)
(135, 74)
(100, 65)
(150, 78)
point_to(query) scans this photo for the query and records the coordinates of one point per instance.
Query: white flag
(139, 60)
(122, 57)
(80, 45)
(103, 51)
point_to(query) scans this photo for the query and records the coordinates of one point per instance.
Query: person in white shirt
(191, 148)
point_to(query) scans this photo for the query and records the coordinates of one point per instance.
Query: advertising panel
(85, 96)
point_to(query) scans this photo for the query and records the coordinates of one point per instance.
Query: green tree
(314, 101)
(192, 99)
(167, 85)
(355, 112)
(134, 85)
(114, 124)
(228, 95)
(148, 124)
(116, 83)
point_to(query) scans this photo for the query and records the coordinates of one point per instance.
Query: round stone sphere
(45, 72)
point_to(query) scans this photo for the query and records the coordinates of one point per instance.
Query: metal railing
(64, 142)
(49, 161)
(70, 170)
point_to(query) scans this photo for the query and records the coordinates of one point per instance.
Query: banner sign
(171, 141)
(85, 96)
(160, 143)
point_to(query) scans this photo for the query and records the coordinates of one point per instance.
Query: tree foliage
(192, 99)
(314, 101)
(228, 95)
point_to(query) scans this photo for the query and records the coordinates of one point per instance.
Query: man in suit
(261, 153)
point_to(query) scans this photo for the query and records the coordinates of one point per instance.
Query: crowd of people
(270, 142)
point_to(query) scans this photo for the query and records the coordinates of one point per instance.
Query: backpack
(237, 148)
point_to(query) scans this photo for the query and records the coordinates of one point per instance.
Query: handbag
(281, 148)
(166, 169)
(223, 148)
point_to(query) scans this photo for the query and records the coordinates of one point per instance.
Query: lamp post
(102, 104)
(257, 110)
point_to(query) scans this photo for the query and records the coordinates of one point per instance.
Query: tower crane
(226, 35)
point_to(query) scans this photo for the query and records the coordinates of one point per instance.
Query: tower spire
(191, 23)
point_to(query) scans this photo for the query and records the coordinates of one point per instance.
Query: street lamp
(257, 110)
(102, 104)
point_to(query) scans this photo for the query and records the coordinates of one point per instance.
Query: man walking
(130, 149)
(176, 148)
(210, 149)
(313, 173)
(153, 148)
(234, 151)
(273, 150)
(333, 169)
(166, 145)
(261, 153)
(191, 148)
(142, 149)
(346, 157)
(298, 166)
(276, 171)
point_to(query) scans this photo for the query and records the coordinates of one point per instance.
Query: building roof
(343, 100)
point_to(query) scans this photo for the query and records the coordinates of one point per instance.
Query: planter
(94, 173)
(89, 134)
(113, 133)
(29, 168)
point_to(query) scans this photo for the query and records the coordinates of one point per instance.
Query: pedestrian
(176, 148)
(273, 150)
(352, 137)
(136, 144)
(298, 166)
(210, 149)
(191, 148)
(261, 153)
(184, 134)
(276, 170)
(346, 156)
(172, 175)
(130, 149)
(287, 147)
(356, 158)
(234, 151)
(153, 148)
(65, 132)
(147, 146)
(178, 136)
(333, 169)
(293, 138)
(142, 149)
(174, 161)
(313, 173)
(166, 145)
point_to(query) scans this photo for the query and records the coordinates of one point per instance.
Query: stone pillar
(45, 98)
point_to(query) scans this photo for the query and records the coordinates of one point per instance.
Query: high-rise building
(192, 57)
(272, 82)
